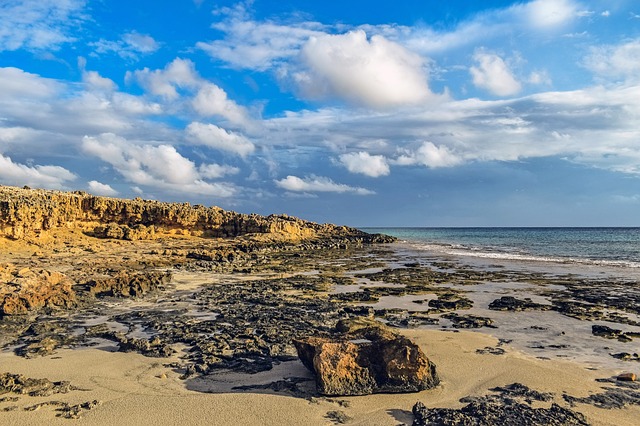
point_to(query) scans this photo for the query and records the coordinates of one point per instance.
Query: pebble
(627, 377)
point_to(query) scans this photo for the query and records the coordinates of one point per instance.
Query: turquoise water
(601, 246)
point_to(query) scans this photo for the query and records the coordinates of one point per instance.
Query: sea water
(613, 247)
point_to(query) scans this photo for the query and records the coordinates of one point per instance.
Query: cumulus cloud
(493, 74)
(98, 188)
(212, 100)
(159, 166)
(365, 163)
(375, 73)
(180, 77)
(430, 155)
(318, 184)
(615, 62)
(216, 137)
(178, 74)
(216, 171)
(52, 177)
(39, 25)
(15, 83)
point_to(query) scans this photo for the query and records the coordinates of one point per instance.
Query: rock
(627, 377)
(626, 356)
(512, 405)
(450, 301)
(468, 321)
(366, 357)
(17, 383)
(29, 290)
(509, 303)
(126, 284)
(610, 333)
(31, 213)
(620, 394)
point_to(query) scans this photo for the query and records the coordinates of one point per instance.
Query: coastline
(144, 391)
(174, 323)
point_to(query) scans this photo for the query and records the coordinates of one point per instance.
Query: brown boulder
(366, 357)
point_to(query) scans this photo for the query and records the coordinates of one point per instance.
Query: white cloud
(212, 100)
(550, 13)
(39, 25)
(216, 137)
(493, 74)
(318, 184)
(376, 73)
(215, 171)
(539, 78)
(614, 62)
(98, 188)
(365, 163)
(179, 74)
(16, 83)
(157, 166)
(95, 81)
(52, 177)
(179, 80)
(256, 45)
(430, 155)
(130, 46)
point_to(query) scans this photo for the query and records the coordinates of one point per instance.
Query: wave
(515, 255)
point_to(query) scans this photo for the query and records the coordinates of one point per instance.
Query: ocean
(615, 247)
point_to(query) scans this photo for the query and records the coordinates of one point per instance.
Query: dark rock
(468, 321)
(450, 301)
(509, 303)
(511, 406)
(126, 284)
(626, 356)
(610, 333)
(618, 395)
(366, 357)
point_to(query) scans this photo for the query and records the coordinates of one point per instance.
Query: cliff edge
(28, 214)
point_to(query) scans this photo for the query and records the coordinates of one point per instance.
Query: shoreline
(470, 362)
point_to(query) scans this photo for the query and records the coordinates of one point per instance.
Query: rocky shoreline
(206, 292)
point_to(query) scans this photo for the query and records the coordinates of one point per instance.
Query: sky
(363, 113)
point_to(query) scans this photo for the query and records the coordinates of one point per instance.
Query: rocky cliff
(31, 213)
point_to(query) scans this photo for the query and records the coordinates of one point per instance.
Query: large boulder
(26, 290)
(366, 357)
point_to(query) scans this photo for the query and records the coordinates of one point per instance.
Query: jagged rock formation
(26, 290)
(28, 213)
(366, 358)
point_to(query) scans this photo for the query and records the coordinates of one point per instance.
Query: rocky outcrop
(366, 357)
(509, 405)
(27, 290)
(128, 284)
(510, 303)
(22, 385)
(28, 213)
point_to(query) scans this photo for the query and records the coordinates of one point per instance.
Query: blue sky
(365, 113)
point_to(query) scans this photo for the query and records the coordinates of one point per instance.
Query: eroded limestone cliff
(30, 213)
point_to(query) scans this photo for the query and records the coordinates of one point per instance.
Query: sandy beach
(134, 389)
